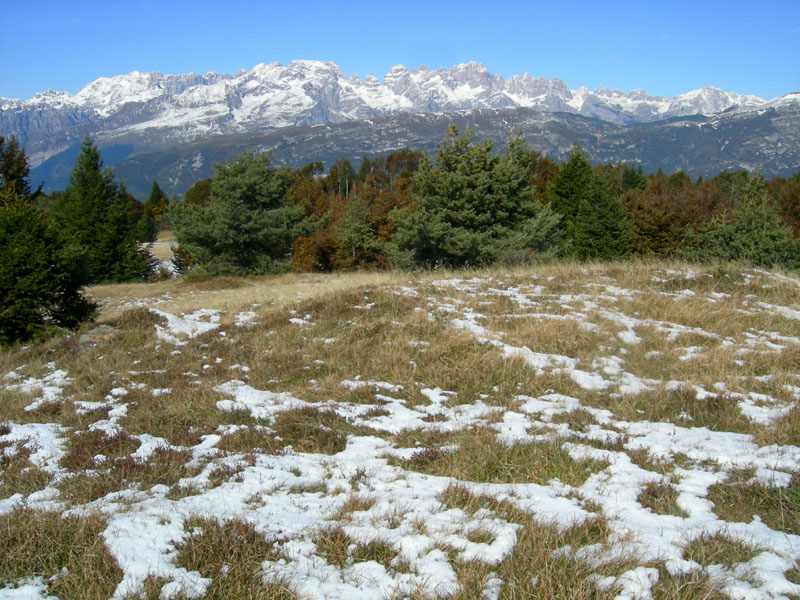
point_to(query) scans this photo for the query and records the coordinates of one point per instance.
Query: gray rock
(98, 334)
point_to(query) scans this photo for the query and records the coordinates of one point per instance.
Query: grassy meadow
(576, 431)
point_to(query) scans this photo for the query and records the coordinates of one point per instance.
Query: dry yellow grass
(364, 364)
(230, 295)
(162, 247)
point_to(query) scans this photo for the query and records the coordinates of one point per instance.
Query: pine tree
(246, 225)
(472, 207)
(146, 230)
(753, 232)
(632, 178)
(41, 273)
(14, 169)
(601, 228)
(95, 211)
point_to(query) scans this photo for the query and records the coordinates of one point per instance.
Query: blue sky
(663, 47)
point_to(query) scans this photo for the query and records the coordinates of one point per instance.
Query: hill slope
(569, 431)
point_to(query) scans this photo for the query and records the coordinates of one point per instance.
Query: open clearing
(597, 431)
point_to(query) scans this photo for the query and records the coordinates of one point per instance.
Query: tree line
(469, 204)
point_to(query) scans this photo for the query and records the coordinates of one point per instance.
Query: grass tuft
(739, 499)
(68, 552)
(719, 549)
(480, 457)
(661, 498)
(230, 554)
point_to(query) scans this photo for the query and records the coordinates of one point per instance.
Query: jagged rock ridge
(152, 111)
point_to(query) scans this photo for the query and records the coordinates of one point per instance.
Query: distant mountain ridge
(766, 140)
(173, 127)
(159, 111)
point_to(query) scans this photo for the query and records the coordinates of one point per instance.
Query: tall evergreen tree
(14, 169)
(41, 273)
(572, 184)
(473, 207)
(601, 228)
(594, 222)
(95, 211)
(632, 178)
(246, 225)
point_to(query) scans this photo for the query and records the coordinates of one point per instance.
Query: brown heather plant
(249, 439)
(82, 448)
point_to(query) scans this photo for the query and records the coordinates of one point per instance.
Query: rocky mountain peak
(167, 110)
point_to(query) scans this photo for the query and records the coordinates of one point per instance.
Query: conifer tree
(594, 222)
(41, 273)
(753, 232)
(246, 225)
(157, 202)
(472, 207)
(94, 210)
(14, 169)
(601, 228)
(572, 184)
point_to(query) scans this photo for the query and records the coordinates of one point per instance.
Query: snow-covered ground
(289, 497)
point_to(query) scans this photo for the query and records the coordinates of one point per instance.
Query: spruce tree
(41, 273)
(753, 232)
(14, 169)
(94, 210)
(601, 228)
(247, 225)
(572, 184)
(594, 221)
(473, 207)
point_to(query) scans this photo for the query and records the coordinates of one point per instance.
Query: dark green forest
(466, 205)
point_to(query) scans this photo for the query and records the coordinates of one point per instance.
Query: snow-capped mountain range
(159, 111)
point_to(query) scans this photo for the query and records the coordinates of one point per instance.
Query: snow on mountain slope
(173, 109)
